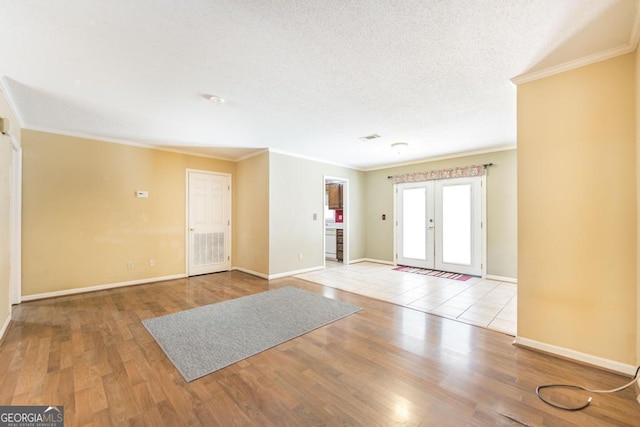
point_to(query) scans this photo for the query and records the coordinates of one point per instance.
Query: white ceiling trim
(572, 65)
(313, 159)
(587, 60)
(270, 150)
(121, 142)
(440, 158)
(250, 155)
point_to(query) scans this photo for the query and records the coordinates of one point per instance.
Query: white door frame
(483, 225)
(186, 218)
(347, 218)
(15, 225)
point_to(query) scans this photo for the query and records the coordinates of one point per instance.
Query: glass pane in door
(456, 224)
(414, 225)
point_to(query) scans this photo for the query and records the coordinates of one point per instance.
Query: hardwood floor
(385, 365)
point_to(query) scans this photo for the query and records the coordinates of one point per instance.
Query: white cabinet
(330, 243)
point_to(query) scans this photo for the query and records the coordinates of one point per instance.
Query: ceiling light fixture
(215, 99)
(399, 147)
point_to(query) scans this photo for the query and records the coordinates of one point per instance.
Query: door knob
(192, 229)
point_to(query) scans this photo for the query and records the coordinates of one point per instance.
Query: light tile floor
(487, 303)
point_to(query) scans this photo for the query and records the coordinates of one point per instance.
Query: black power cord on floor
(577, 387)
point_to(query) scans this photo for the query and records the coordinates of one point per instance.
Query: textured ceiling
(302, 77)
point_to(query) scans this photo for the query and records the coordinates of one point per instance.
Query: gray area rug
(204, 339)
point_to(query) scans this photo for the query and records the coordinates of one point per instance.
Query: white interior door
(208, 222)
(415, 238)
(458, 231)
(439, 225)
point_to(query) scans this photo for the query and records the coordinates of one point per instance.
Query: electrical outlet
(130, 265)
(300, 256)
(152, 262)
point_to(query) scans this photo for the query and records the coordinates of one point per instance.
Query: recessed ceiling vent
(369, 137)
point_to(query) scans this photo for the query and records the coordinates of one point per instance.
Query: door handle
(192, 229)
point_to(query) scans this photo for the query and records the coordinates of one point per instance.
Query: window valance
(466, 171)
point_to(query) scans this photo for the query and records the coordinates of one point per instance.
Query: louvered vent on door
(208, 248)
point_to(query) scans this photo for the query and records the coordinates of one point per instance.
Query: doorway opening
(336, 220)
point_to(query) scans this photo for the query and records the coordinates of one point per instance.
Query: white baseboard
(251, 272)
(5, 325)
(587, 359)
(305, 270)
(293, 273)
(377, 261)
(100, 287)
(502, 278)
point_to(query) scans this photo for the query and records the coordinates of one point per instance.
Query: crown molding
(446, 157)
(313, 159)
(571, 65)
(121, 142)
(629, 47)
(250, 155)
(261, 151)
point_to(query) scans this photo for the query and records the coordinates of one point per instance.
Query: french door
(416, 219)
(209, 222)
(439, 225)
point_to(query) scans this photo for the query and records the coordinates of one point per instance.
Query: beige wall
(296, 193)
(577, 210)
(251, 213)
(501, 209)
(82, 222)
